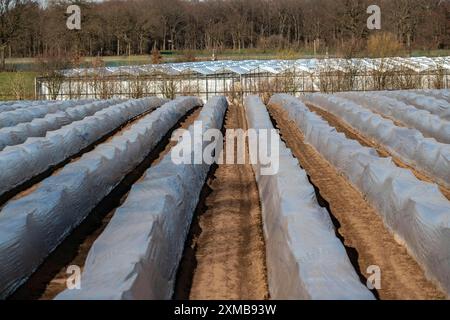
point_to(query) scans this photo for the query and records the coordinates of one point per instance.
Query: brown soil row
(358, 225)
(224, 257)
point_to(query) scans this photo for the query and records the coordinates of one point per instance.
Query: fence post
(207, 88)
(35, 88)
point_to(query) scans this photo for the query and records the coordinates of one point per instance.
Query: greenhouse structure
(240, 78)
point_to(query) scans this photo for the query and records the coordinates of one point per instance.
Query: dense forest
(124, 27)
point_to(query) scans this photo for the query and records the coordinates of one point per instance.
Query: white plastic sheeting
(32, 227)
(438, 107)
(14, 105)
(241, 67)
(137, 255)
(304, 258)
(22, 162)
(415, 211)
(426, 154)
(8, 103)
(18, 134)
(14, 117)
(429, 124)
(436, 93)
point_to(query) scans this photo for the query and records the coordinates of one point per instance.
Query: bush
(186, 56)
(156, 57)
(383, 44)
(50, 65)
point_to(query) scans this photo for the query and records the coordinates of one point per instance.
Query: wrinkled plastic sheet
(38, 127)
(27, 114)
(31, 227)
(426, 154)
(137, 255)
(299, 234)
(15, 105)
(20, 163)
(429, 124)
(436, 93)
(434, 105)
(414, 211)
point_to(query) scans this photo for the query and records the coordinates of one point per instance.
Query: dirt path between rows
(354, 134)
(225, 254)
(50, 279)
(358, 225)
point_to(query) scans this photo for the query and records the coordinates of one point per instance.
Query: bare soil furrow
(224, 257)
(358, 224)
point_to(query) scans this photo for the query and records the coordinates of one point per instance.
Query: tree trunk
(2, 57)
(172, 38)
(164, 39)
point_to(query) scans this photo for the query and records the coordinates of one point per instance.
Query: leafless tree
(11, 18)
(118, 27)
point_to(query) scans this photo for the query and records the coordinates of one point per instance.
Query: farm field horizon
(216, 157)
(19, 82)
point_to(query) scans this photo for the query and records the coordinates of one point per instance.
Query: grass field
(17, 85)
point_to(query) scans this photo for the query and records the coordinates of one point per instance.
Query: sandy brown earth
(50, 280)
(360, 227)
(354, 134)
(227, 245)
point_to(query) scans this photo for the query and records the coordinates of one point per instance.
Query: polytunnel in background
(240, 78)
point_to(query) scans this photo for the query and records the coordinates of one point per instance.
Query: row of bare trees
(118, 27)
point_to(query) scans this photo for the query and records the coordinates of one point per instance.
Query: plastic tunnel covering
(137, 255)
(434, 105)
(426, 154)
(429, 124)
(414, 211)
(14, 117)
(38, 127)
(299, 234)
(15, 105)
(443, 94)
(32, 226)
(22, 162)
